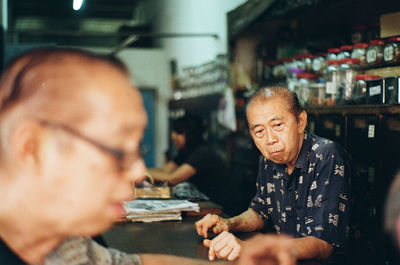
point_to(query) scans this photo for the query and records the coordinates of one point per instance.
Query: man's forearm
(246, 222)
(157, 259)
(312, 248)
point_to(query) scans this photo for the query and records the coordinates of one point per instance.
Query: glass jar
(373, 31)
(268, 66)
(331, 82)
(317, 92)
(279, 71)
(345, 52)
(319, 64)
(332, 54)
(292, 81)
(304, 90)
(360, 88)
(308, 59)
(348, 70)
(374, 55)
(298, 62)
(391, 51)
(288, 64)
(358, 34)
(359, 52)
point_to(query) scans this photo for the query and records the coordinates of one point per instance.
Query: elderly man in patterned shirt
(302, 183)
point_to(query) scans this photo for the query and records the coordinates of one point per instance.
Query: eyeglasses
(124, 159)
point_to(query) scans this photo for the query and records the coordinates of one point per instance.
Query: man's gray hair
(266, 93)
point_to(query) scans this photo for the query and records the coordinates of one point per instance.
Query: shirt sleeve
(258, 203)
(328, 199)
(80, 250)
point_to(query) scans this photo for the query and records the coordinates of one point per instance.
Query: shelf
(198, 104)
(354, 109)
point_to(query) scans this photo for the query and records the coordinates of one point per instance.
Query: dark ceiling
(97, 23)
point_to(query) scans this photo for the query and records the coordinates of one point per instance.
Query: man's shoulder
(323, 145)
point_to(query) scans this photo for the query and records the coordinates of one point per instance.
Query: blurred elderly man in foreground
(70, 125)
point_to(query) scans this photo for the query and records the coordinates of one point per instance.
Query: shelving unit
(371, 133)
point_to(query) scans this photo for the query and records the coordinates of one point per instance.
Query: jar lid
(333, 62)
(349, 61)
(308, 56)
(367, 77)
(333, 50)
(346, 47)
(296, 71)
(270, 62)
(322, 54)
(288, 59)
(361, 45)
(360, 27)
(307, 76)
(376, 42)
(397, 38)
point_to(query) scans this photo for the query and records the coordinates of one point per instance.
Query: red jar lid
(333, 50)
(361, 45)
(270, 62)
(323, 54)
(333, 62)
(289, 59)
(376, 42)
(349, 61)
(308, 56)
(367, 77)
(346, 48)
(360, 27)
(307, 76)
(394, 38)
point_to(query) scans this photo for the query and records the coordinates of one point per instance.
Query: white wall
(149, 68)
(192, 16)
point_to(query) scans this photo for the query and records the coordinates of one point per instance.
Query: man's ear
(302, 121)
(25, 143)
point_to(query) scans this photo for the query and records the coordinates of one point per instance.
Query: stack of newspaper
(143, 210)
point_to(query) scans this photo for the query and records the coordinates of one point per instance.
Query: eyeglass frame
(118, 154)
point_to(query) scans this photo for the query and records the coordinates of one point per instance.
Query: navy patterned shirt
(314, 199)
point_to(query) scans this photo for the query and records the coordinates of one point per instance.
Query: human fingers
(220, 226)
(223, 245)
(206, 242)
(234, 254)
(206, 223)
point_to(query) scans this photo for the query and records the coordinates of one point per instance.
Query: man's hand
(213, 222)
(268, 249)
(224, 246)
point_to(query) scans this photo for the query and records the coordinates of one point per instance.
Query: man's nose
(270, 137)
(137, 172)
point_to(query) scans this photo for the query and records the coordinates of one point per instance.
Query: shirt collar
(302, 159)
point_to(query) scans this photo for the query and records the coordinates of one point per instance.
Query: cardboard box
(390, 25)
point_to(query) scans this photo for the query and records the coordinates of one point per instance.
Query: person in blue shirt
(302, 183)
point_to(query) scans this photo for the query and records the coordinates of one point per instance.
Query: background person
(301, 184)
(196, 161)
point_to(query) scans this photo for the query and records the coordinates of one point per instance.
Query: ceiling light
(77, 4)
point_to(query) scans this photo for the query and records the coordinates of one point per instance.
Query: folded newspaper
(157, 210)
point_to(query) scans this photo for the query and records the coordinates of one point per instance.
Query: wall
(192, 16)
(150, 70)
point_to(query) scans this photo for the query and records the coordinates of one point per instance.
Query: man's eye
(278, 125)
(258, 132)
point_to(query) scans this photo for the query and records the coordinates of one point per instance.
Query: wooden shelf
(355, 109)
